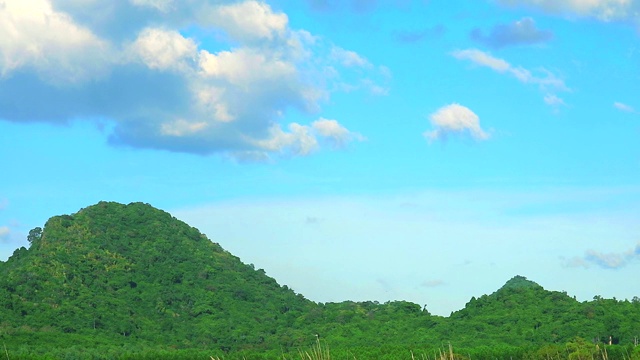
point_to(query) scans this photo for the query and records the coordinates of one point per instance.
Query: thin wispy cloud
(312, 220)
(543, 78)
(553, 100)
(455, 120)
(349, 58)
(605, 10)
(432, 283)
(4, 233)
(520, 32)
(624, 107)
(605, 260)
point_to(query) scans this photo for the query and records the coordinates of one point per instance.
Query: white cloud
(487, 60)
(248, 21)
(349, 58)
(163, 89)
(483, 59)
(546, 80)
(338, 135)
(298, 141)
(247, 67)
(331, 129)
(624, 107)
(163, 49)
(210, 98)
(375, 84)
(606, 10)
(455, 119)
(33, 35)
(182, 127)
(302, 140)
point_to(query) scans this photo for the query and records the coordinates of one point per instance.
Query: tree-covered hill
(523, 313)
(135, 271)
(114, 275)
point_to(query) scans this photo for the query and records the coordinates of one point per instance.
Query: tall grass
(443, 354)
(317, 352)
(320, 351)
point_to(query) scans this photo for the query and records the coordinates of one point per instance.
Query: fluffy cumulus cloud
(544, 79)
(248, 21)
(36, 38)
(610, 260)
(337, 135)
(197, 76)
(304, 139)
(521, 32)
(455, 119)
(606, 10)
(162, 50)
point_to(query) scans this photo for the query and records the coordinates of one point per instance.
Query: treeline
(130, 281)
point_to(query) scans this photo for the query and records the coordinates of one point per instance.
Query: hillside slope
(135, 271)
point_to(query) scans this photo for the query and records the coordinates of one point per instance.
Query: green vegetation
(120, 281)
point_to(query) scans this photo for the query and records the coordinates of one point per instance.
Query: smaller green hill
(523, 313)
(519, 283)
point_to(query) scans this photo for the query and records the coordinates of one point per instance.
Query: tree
(35, 234)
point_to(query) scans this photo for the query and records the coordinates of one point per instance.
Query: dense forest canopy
(114, 276)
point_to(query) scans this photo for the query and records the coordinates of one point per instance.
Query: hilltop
(132, 275)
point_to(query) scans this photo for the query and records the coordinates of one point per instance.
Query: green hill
(133, 271)
(121, 279)
(523, 313)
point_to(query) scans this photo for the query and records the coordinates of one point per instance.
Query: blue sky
(355, 150)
